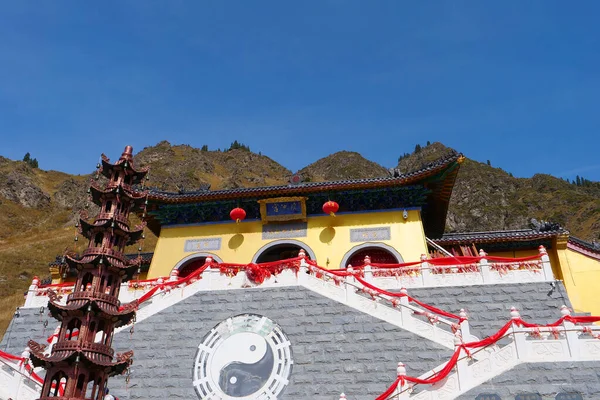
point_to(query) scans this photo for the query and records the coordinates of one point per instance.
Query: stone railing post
(425, 271)
(31, 292)
(518, 337)
(350, 289)
(342, 396)
(484, 267)
(462, 365)
(464, 324)
(402, 385)
(368, 270)
(23, 365)
(570, 333)
(546, 266)
(174, 275)
(405, 312)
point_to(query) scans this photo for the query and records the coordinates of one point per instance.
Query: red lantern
(237, 214)
(331, 207)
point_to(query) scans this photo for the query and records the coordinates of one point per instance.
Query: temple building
(313, 290)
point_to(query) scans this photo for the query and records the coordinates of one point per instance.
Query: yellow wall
(552, 255)
(581, 276)
(328, 237)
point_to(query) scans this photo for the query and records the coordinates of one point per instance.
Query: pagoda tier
(113, 261)
(104, 306)
(114, 195)
(132, 176)
(120, 228)
(82, 359)
(82, 353)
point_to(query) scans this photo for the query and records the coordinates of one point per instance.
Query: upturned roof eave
(415, 177)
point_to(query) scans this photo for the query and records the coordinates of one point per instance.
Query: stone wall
(547, 379)
(488, 306)
(335, 348)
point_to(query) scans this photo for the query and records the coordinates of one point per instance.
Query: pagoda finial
(127, 153)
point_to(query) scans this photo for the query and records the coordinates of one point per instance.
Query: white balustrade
(16, 383)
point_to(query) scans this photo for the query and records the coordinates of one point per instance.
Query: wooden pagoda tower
(81, 361)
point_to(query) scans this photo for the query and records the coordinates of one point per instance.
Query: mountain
(342, 165)
(488, 198)
(38, 208)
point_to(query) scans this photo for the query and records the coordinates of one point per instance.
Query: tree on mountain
(238, 145)
(489, 163)
(403, 156)
(428, 143)
(32, 162)
(204, 148)
(417, 148)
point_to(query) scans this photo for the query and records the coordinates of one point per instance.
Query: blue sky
(513, 82)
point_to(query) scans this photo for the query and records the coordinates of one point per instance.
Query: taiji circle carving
(244, 357)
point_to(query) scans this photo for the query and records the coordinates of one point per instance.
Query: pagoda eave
(133, 235)
(39, 359)
(116, 261)
(134, 197)
(137, 173)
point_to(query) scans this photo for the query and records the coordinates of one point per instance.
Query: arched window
(98, 239)
(89, 390)
(108, 206)
(100, 334)
(62, 384)
(87, 278)
(57, 384)
(73, 329)
(80, 385)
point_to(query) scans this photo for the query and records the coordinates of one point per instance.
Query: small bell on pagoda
(331, 207)
(238, 214)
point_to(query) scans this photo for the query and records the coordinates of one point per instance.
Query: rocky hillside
(487, 198)
(187, 168)
(38, 208)
(342, 165)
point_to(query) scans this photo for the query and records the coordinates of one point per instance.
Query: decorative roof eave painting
(353, 201)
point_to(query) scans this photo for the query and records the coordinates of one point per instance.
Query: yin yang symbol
(244, 357)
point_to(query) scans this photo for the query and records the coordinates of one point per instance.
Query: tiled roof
(587, 248)
(498, 236)
(308, 187)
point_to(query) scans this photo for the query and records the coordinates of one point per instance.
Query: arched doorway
(281, 250)
(380, 254)
(193, 262)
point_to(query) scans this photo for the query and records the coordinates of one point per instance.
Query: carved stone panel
(370, 234)
(284, 231)
(208, 244)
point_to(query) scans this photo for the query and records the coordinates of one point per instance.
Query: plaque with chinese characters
(283, 209)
